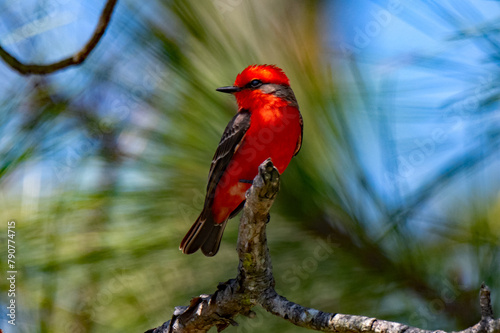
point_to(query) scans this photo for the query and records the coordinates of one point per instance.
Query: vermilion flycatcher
(268, 124)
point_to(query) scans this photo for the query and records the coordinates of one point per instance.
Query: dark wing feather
(299, 142)
(211, 245)
(231, 139)
(205, 233)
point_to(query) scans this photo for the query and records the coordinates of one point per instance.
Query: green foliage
(108, 164)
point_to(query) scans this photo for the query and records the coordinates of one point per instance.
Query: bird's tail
(204, 234)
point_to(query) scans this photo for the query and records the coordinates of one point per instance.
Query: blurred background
(391, 209)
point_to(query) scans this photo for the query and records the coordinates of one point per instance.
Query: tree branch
(76, 59)
(254, 284)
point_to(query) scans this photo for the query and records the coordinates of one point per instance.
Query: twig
(76, 59)
(254, 284)
(485, 302)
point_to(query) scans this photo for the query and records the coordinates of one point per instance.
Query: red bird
(268, 124)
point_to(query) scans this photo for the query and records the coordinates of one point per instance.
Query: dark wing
(205, 233)
(299, 142)
(230, 142)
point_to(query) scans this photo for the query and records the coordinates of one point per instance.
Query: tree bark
(254, 284)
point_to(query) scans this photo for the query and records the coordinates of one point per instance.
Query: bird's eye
(255, 83)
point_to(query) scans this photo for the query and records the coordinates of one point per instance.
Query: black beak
(229, 90)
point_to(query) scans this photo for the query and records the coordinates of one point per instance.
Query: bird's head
(259, 85)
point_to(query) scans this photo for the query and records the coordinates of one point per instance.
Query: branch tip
(485, 302)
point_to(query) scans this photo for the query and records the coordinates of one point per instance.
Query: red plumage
(268, 124)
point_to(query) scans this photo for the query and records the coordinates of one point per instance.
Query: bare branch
(254, 284)
(485, 302)
(76, 59)
(342, 323)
